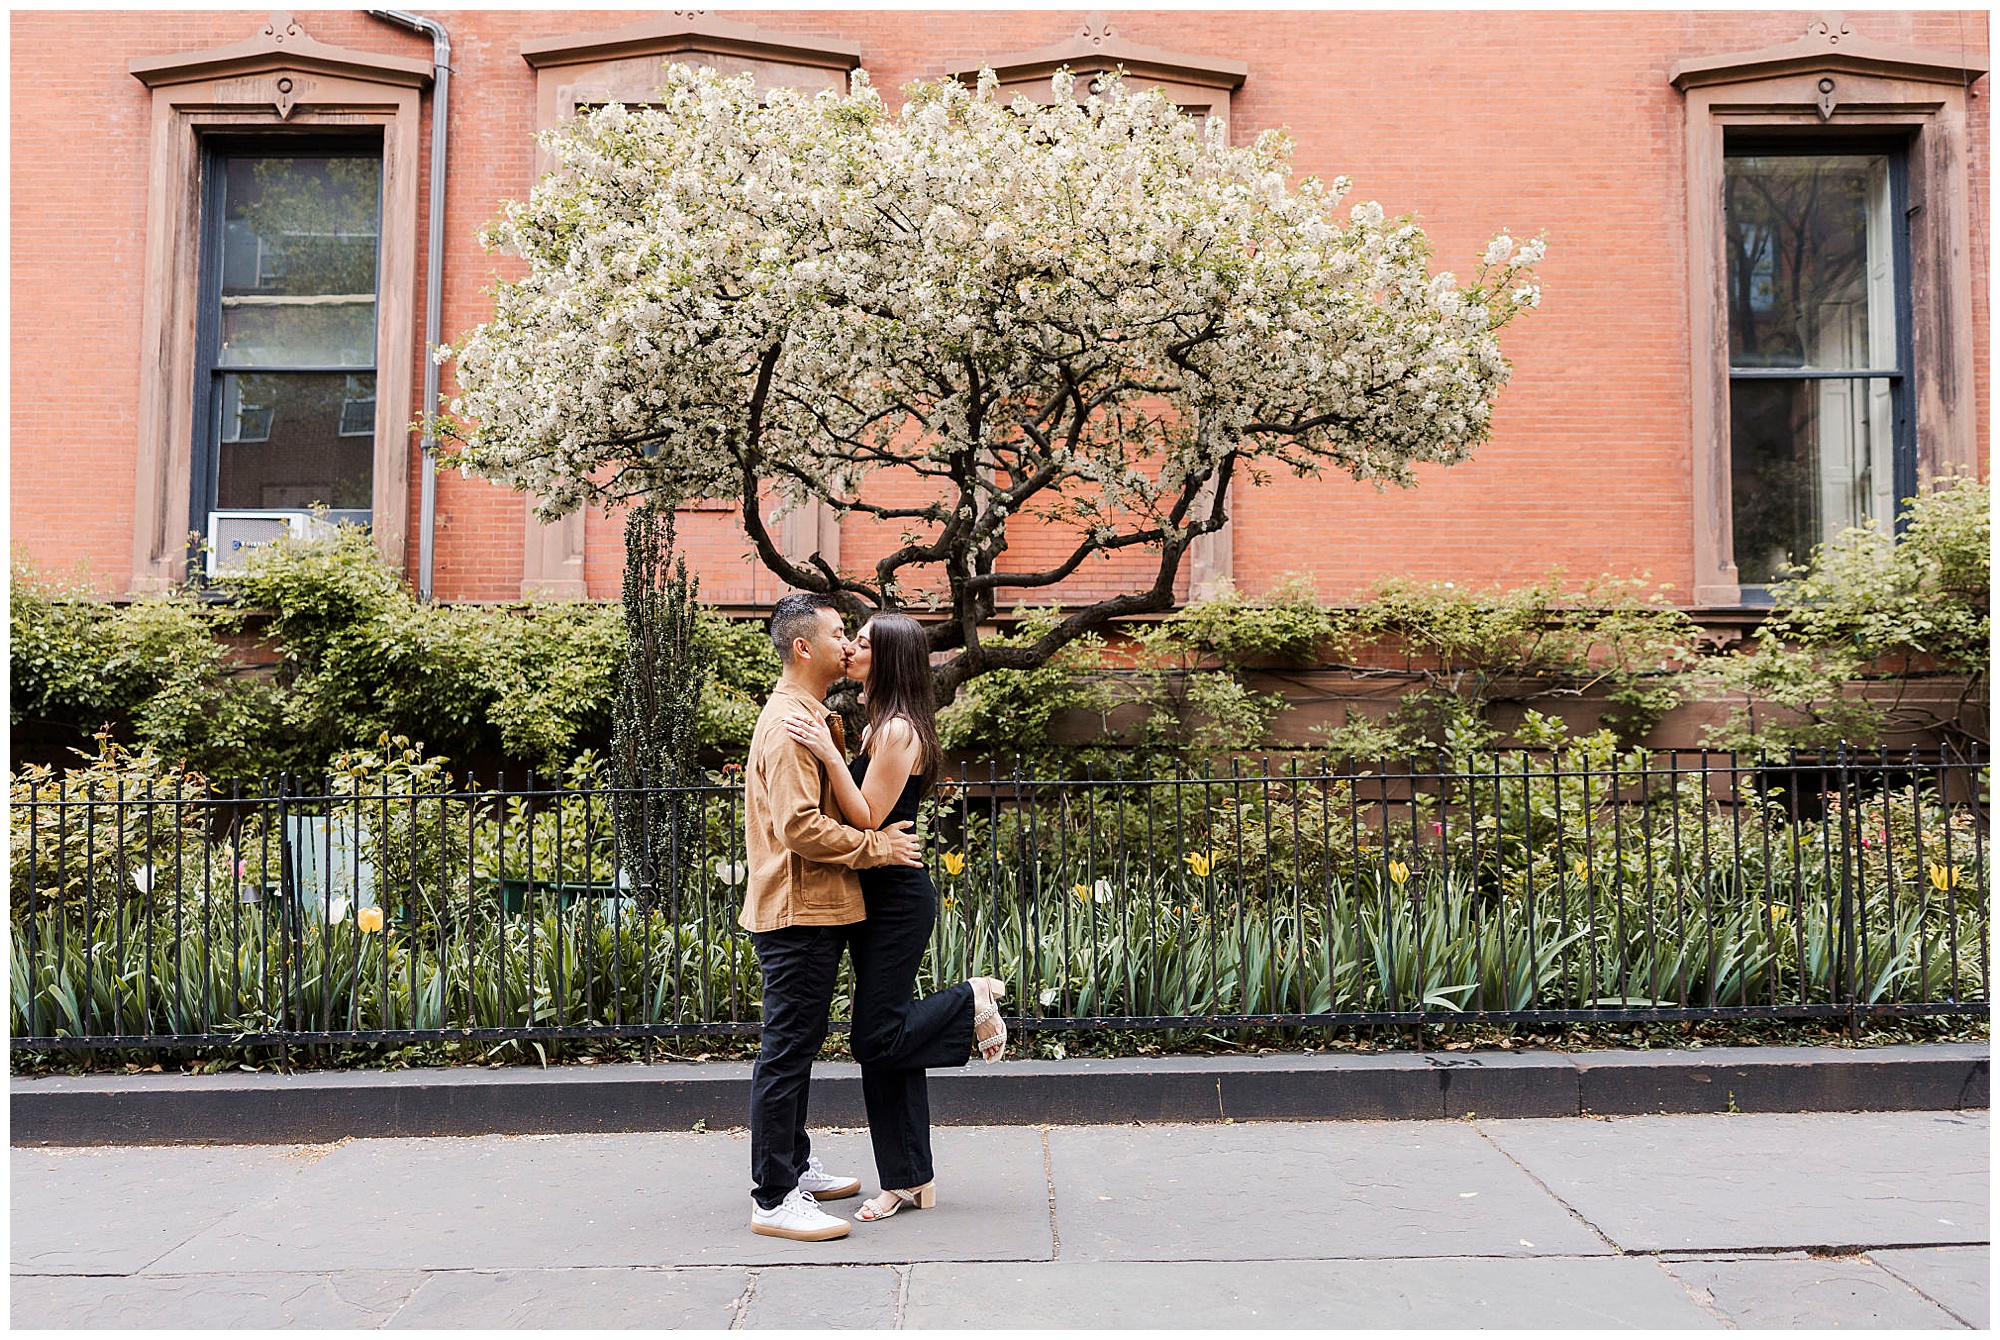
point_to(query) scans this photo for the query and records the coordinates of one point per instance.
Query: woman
(895, 1037)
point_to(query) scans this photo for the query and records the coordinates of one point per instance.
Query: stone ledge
(317, 1107)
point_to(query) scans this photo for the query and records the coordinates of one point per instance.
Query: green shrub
(1928, 591)
(1524, 644)
(62, 646)
(153, 671)
(1287, 624)
(360, 657)
(103, 834)
(743, 667)
(1013, 714)
(656, 718)
(1864, 596)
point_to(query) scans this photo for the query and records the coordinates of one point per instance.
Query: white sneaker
(798, 1217)
(825, 1185)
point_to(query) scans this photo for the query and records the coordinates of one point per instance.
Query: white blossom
(803, 290)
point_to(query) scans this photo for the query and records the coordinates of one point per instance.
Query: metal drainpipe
(433, 276)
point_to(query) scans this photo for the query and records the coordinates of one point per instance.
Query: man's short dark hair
(796, 616)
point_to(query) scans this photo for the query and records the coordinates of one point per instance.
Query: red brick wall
(1556, 122)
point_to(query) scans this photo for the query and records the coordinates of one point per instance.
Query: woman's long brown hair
(899, 685)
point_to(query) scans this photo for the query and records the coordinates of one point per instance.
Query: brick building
(1766, 306)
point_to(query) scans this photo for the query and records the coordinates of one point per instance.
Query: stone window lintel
(1098, 47)
(1827, 47)
(691, 32)
(281, 45)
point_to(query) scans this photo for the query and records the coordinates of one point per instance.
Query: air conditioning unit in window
(232, 535)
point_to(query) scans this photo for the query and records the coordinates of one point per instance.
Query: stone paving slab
(1809, 1293)
(1680, 1183)
(1547, 1294)
(1957, 1278)
(831, 1298)
(536, 1202)
(563, 1300)
(114, 1211)
(357, 1300)
(1304, 1191)
(1327, 1224)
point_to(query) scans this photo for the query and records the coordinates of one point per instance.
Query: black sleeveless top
(879, 880)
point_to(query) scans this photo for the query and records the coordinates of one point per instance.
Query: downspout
(433, 278)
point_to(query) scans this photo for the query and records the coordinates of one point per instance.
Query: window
(278, 95)
(357, 409)
(286, 347)
(578, 72)
(1202, 86)
(1830, 292)
(1821, 434)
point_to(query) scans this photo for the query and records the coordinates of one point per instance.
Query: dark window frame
(204, 461)
(1897, 146)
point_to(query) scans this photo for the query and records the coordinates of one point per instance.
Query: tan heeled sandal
(916, 1198)
(992, 1045)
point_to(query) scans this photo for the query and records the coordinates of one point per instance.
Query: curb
(319, 1107)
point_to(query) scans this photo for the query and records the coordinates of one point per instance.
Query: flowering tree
(1098, 314)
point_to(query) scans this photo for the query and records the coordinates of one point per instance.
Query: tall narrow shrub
(656, 718)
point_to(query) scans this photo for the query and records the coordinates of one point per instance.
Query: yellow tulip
(1081, 890)
(369, 919)
(1943, 878)
(1579, 867)
(1779, 911)
(1201, 862)
(954, 863)
(1399, 872)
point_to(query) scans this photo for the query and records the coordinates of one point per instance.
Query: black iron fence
(1517, 887)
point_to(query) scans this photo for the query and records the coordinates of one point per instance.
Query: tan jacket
(802, 861)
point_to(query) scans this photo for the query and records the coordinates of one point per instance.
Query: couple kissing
(835, 865)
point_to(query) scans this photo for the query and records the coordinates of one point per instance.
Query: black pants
(897, 1038)
(800, 964)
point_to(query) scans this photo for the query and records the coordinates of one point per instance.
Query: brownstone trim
(552, 556)
(284, 83)
(1874, 88)
(1199, 83)
(1827, 47)
(698, 32)
(291, 46)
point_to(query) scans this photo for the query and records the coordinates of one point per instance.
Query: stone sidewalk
(1703, 1221)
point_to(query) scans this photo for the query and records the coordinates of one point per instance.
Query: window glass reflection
(296, 440)
(1810, 265)
(1811, 290)
(1808, 459)
(299, 242)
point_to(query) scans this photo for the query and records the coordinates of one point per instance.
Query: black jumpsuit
(895, 1037)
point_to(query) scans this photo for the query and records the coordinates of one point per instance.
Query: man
(802, 897)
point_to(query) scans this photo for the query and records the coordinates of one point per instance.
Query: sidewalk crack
(743, 1300)
(1049, 1173)
(902, 1294)
(1920, 1292)
(423, 1277)
(1703, 1299)
(1548, 1190)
